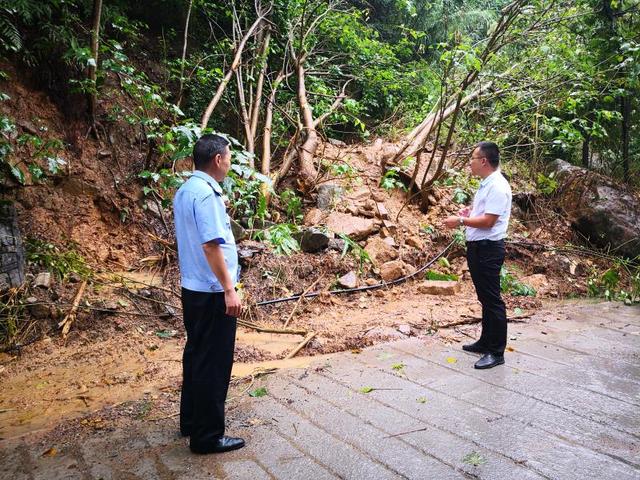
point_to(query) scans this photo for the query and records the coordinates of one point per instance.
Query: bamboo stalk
(71, 316)
(304, 342)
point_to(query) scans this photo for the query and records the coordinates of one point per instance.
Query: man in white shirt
(487, 223)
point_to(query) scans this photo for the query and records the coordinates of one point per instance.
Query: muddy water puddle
(76, 381)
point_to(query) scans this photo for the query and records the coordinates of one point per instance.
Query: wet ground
(566, 405)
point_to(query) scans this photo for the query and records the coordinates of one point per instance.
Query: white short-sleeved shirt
(200, 217)
(494, 197)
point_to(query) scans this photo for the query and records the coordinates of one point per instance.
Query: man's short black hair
(491, 152)
(207, 147)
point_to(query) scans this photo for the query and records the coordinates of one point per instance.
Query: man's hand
(464, 212)
(452, 222)
(232, 302)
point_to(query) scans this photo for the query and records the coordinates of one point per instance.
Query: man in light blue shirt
(487, 222)
(209, 272)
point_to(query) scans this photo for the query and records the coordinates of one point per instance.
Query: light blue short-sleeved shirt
(200, 217)
(494, 197)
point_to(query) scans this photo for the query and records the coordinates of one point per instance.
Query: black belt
(485, 242)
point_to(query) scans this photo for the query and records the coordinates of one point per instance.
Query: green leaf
(366, 389)
(258, 392)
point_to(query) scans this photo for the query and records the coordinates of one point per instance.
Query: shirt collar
(489, 178)
(209, 179)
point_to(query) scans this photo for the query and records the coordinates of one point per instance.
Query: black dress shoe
(223, 444)
(489, 360)
(475, 347)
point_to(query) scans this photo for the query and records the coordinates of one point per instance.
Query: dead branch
(302, 344)
(71, 316)
(295, 307)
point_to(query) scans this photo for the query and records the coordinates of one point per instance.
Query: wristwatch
(461, 220)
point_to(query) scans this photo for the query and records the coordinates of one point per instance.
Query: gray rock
(38, 310)
(350, 280)
(328, 194)
(337, 143)
(313, 240)
(43, 280)
(404, 329)
(336, 244)
(239, 233)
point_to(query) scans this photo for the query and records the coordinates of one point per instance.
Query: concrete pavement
(565, 406)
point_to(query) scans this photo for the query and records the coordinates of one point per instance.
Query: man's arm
(215, 258)
(484, 221)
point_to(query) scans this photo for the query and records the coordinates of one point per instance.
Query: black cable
(361, 289)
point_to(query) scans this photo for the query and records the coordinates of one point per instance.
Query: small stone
(336, 244)
(404, 329)
(382, 211)
(380, 251)
(336, 143)
(350, 280)
(392, 270)
(390, 241)
(328, 194)
(437, 287)
(37, 310)
(314, 216)
(383, 332)
(43, 280)
(371, 281)
(415, 242)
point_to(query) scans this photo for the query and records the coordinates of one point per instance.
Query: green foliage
(547, 184)
(511, 285)
(56, 260)
(292, 204)
(28, 158)
(258, 392)
(351, 246)
(280, 238)
(433, 275)
(162, 184)
(620, 282)
(391, 179)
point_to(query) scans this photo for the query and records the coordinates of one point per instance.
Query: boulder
(314, 240)
(355, 227)
(350, 280)
(600, 210)
(12, 255)
(437, 287)
(382, 211)
(380, 251)
(392, 270)
(328, 194)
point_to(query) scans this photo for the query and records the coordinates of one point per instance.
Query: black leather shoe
(224, 444)
(489, 360)
(475, 347)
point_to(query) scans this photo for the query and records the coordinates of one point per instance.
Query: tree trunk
(184, 51)
(585, 151)
(307, 150)
(232, 69)
(625, 107)
(93, 69)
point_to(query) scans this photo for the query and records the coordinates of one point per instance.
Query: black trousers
(206, 366)
(485, 259)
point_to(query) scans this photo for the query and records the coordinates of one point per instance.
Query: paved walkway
(565, 406)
